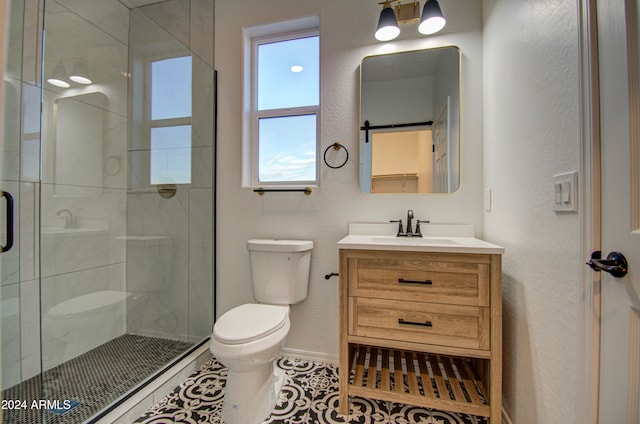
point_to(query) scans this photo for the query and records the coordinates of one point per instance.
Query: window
(285, 110)
(170, 121)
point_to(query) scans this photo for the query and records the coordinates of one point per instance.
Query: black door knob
(615, 264)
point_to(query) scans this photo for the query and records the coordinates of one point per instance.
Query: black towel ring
(336, 146)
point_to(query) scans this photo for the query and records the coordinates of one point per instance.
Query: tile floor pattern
(310, 396)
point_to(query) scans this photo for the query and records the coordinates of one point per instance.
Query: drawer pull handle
(422, 324)
(425, 282)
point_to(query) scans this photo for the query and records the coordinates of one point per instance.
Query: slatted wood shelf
(433, 381)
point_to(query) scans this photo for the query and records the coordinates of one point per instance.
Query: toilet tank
(280, 270)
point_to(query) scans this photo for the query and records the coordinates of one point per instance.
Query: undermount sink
(381, 236)
(415, 241)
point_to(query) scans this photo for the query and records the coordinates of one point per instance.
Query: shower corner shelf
(443, 347)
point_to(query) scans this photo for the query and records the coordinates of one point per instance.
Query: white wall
(346, 32)
(531, 131)
(378, 95)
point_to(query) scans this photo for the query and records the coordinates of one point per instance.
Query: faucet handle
(400, 231)
(418, 233)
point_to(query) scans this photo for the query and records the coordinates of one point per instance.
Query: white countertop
(381, 236)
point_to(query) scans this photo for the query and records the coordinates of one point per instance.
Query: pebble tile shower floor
(93, 379)
(310, 395)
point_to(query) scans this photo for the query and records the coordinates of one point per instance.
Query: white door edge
(589, 210)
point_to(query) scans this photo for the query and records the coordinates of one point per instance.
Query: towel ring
(336, 146)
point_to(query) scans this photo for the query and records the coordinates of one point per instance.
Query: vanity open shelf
(434, 381)
(421, 323)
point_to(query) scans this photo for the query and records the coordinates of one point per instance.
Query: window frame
(256, 115)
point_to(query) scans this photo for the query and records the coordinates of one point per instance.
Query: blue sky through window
(171, 155)
(171, 88)
(287, 148)
(278, 86)
(170, 99)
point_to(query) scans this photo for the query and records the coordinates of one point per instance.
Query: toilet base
(251, 396)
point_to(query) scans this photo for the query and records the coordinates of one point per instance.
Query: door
(441, 147)
(10, 277)
(619, 393)
(19, 188)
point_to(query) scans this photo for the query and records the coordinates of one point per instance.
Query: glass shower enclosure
(108, 195)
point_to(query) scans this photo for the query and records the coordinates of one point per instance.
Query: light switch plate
(487, 199)
(567, 183)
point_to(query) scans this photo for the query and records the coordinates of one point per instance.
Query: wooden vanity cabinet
(422, 328)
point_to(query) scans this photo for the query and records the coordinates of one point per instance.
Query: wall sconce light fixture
(431, 21)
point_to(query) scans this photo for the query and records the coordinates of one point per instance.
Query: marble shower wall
(181, 305)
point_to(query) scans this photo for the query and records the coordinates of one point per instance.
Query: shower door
(106, 211)
(126, 199)
(19, 183)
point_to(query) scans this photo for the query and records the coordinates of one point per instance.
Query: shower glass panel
(19, 184)
(126, 259)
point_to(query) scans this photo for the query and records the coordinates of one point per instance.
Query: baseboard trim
(311, 356)
(505, 417)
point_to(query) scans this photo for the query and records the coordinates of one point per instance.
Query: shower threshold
(78, 389)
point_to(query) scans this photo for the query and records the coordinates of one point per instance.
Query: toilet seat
(250, 322)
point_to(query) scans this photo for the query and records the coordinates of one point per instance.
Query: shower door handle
(9, 198)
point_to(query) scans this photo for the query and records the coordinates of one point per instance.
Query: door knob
(615, 264)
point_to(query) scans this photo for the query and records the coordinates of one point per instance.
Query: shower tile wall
(183, 308)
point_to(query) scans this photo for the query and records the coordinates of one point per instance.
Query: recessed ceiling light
(58, 83)
(296, 68)
(80, 80)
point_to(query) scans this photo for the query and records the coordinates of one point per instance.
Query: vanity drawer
(428, 278)
(445, 325)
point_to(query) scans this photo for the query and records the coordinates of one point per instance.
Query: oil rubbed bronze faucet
(409, 231)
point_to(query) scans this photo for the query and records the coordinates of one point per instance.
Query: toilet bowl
(248, 338)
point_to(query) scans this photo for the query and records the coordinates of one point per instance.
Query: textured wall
(346, 31)
(531, 131)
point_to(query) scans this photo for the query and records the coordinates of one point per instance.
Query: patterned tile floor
(310, 395)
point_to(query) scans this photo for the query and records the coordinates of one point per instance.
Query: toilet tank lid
(274, 245)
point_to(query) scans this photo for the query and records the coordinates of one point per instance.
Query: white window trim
(255, 115)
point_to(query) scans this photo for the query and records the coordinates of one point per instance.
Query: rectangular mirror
(410, 122)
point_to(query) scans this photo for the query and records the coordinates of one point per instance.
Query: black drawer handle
(422, 324)
(424, 282)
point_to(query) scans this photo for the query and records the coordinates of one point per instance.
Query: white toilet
(248, 338)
